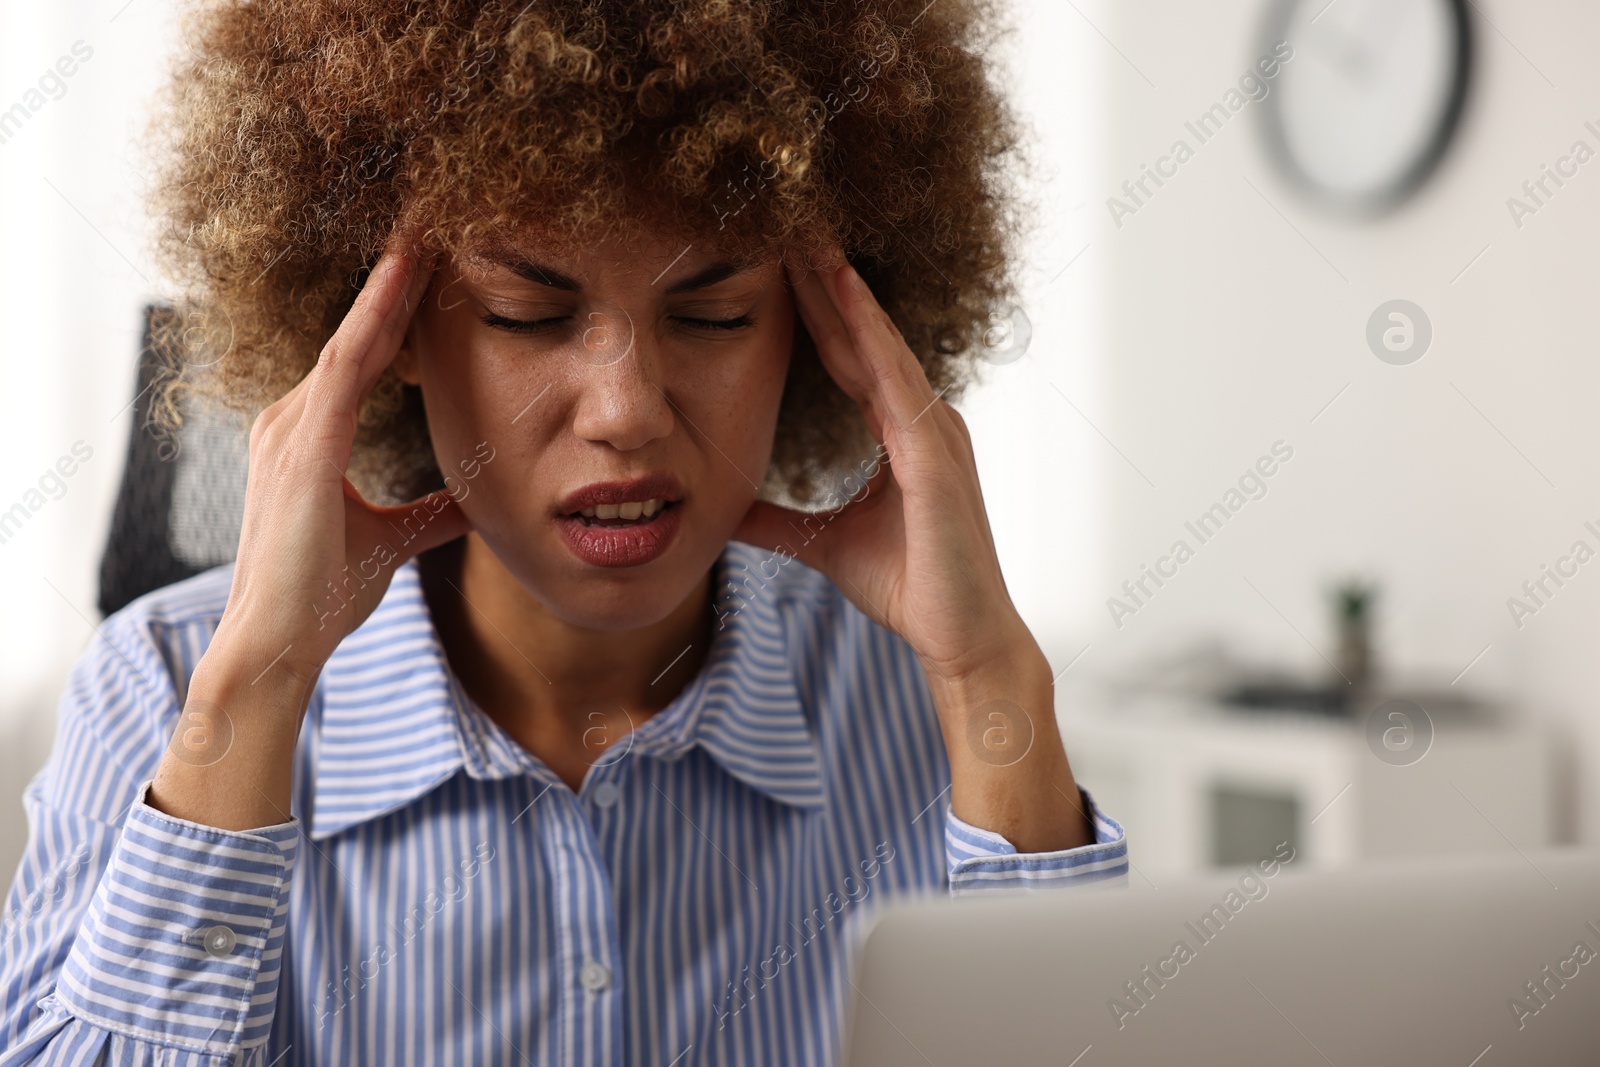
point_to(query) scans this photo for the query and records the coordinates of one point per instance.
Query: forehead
(637, 252)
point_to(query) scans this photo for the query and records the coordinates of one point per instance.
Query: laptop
(1490, 961)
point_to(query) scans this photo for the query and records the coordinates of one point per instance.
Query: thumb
(780, 529)
(436, 518)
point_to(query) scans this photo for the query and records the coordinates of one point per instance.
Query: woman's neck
(566, 694)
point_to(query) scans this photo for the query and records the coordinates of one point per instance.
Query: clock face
(1363, 110)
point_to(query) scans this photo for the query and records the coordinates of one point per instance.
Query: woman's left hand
(912, 548)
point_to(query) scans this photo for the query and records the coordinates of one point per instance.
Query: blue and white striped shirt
(441, 897)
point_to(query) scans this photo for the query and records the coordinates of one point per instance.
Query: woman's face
(567, 396)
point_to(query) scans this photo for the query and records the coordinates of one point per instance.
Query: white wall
(1041, 458)
(72, 285)
(1226, 329)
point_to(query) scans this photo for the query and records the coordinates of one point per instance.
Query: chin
(609, 606)
(611, 598)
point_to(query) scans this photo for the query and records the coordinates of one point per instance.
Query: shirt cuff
(982, 860)
(182, 943)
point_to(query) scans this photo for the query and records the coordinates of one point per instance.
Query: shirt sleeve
(131, 936)
(981, 860)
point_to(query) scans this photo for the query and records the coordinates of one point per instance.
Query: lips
(605, 524)
(662, 487)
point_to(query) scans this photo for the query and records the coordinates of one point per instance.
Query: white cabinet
(1199, 785)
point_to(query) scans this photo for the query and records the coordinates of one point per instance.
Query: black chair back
(181, 499)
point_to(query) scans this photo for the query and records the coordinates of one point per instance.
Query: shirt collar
(395, 721)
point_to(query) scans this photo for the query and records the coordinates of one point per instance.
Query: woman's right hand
(314, 560)
(314, 557)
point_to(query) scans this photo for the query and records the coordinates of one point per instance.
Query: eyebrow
(717, 272)
(541, 274)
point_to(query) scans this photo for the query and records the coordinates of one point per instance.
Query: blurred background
(1338, 346)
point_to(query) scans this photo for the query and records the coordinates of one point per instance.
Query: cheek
(471, 385)
(752, 381)
(763, 370)
(742, 394)
(465, 398)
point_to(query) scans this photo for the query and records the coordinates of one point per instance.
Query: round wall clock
(1364, 108)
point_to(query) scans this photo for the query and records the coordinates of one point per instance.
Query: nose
(620, 401)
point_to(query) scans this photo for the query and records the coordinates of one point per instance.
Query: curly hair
(292, 134)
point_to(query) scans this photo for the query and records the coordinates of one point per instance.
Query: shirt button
(594, 976)
(219, 940)
(605, 795)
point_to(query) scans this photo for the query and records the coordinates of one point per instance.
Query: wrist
(246, 653)
(999, 722)
(230, 674)
(1013, 668)
(1009, 772)
(230, 760)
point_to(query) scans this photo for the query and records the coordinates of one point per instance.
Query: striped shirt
(441, 897)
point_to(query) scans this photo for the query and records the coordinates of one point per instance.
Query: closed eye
(500, 322)
(533, 326)
(738, 323)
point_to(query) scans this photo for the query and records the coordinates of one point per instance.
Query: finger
(286, 405)
(960, 423)
(835, 348)
(900, 387)
(828, 330)
(801, 534)
(779, 529)
(289, 408)
(875, 356)
(442, 521)
(369, 337)
(396, 315)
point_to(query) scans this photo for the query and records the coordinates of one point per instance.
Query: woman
(533, 724)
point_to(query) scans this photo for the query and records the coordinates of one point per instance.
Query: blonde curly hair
(292, 133)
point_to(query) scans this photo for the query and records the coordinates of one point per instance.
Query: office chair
(180, 504)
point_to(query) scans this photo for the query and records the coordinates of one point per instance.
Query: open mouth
(621, 535)
(622, 523)
(633, 513)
